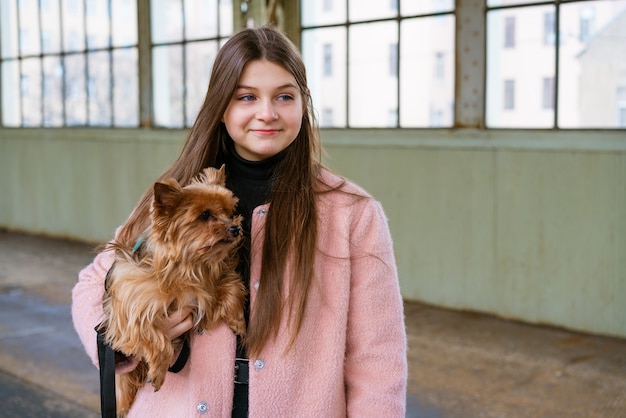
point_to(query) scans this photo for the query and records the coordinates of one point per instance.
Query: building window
(549, 29)
(379, 67)
(587, 14)
(509, 32)
(509, 94)
(440, 67)
(327, 118)
(548, 93)
(393, 60)
(328, 60)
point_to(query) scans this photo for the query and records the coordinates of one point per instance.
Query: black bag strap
(106, 360)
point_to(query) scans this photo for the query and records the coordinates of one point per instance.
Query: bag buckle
(241, 371)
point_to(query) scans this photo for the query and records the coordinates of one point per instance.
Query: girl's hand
(178, 323)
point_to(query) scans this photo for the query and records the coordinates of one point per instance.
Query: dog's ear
(214, 176)
(167, 196)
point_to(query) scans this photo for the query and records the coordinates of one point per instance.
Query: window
(548, 93)
(76, 62)
(393, 5)
(509, 94)
(382, 75)
(393, 60)
(509, 32)
(327, 117)
(186, 35)
(566, 84)
(548, 28)
(53, 47)
(386, 64)
(586, 23)
(440, 67)
(328, 60)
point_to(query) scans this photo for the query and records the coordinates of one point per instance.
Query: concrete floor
(460, 364)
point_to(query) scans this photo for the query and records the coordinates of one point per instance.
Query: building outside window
(548, 28)
(581, 63)
(509, 32)
(328, 60)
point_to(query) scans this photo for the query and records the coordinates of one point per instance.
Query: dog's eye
(205, 216)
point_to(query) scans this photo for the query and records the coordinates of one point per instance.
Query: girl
(326, 333)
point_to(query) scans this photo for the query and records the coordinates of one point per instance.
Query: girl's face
(265, 113)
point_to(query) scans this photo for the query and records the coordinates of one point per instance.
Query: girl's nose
(266, 111)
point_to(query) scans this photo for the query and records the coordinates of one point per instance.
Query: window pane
(380, 9)
(73, 25)
(226, 17)
(515, 88)
(52, 91)
(75, 90)
(166, 20)
(415, 7)
(99, 89)
(125, 88)
(372, 104)
(124, 22)
(322, 12)
(592, 63)
(11, 110)
(427, 72)
(167, 82)
(200, 19)
(324, 53)
(98, 32)
(200, 58)
(50, 27)
(29, 28)
(8, 29)
(30, 86)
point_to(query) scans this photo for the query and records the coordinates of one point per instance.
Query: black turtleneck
(250, 181)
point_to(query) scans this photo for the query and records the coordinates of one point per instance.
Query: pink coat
(349, 358)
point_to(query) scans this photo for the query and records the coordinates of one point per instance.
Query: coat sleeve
(376, 347)
(87, 301)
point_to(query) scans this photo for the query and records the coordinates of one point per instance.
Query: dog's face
(195, 221)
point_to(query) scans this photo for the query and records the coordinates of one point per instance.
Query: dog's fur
(187, 260)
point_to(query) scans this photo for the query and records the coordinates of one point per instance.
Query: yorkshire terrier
(186, 260)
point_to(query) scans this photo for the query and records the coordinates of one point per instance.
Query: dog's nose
(234, 230)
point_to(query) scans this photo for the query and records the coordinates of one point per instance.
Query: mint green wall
(527, 225)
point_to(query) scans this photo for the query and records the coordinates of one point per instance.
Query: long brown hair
(291, 224)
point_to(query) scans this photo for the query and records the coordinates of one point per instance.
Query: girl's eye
(284, 97)
(246, 98)
(205, 216)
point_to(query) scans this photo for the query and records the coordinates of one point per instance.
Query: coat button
(202, 407)
(259, 364)
(256, 285)
(262, 212)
